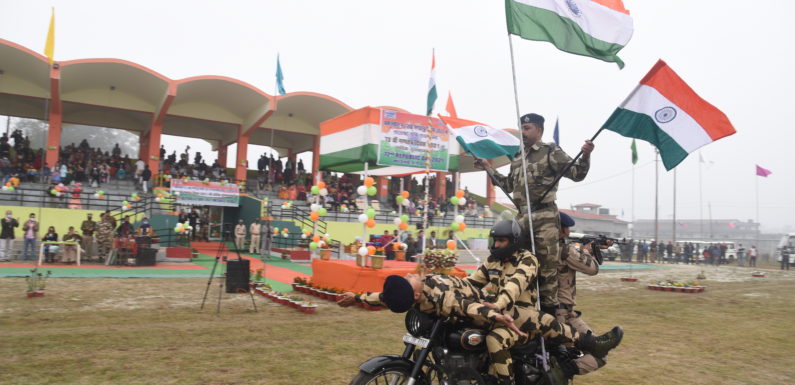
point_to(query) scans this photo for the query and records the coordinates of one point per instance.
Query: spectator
(125, 229)
(7, 226)
(70, 251)
(50, 250)
(146, 174)
(31, 231)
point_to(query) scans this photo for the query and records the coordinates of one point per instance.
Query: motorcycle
(447, 352)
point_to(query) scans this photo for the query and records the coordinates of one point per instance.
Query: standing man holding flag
(545, 161)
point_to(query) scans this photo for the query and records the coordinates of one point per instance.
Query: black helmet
(509, 229)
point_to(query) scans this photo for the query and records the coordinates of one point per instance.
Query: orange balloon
(316, 239)
(369, 181)
(451, 244)
(370, 223)
(404, 194)
(459, 193)
(314, 215)
(370, 250)
(275, 231)
(462, 226)
(403, 225)
(325, 239)
(321, 185)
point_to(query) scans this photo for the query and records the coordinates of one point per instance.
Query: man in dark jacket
(7, 225)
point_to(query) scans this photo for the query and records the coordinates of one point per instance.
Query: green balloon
(10, 188)
(404, 218)
(315, 190)
(176, 229)
(454, 200)
(313, 245)
(322, 211)
(53, 191)
(134, 195)
(125, 203)
(454, 226)
(400, 199)
(371, 191)
(370, 213)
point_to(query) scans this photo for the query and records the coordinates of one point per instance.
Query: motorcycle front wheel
(395, 376)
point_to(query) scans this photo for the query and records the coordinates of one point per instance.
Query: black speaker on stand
(237, 275)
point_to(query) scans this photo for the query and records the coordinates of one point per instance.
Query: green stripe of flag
(641, 126)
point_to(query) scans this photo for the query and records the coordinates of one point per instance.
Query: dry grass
(151, 331)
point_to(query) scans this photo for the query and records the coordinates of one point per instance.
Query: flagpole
(700, 197)
(526, 188)
(673, 230)
(632, 232)
(657, 199)
(757, 211)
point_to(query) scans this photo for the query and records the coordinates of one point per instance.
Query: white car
(786, 246)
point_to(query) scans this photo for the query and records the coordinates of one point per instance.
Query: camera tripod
(218, 257)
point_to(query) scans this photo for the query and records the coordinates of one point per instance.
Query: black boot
(601, 345)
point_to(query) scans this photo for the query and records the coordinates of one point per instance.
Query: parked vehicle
(786, 246)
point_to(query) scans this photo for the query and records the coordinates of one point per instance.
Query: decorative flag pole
(763, 173)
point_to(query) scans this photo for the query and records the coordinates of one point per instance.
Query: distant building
(591, 218)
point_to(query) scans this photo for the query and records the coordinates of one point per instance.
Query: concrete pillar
(152, 154)
(241, 160)
(441, 184)
(222, 156)
(316, 159)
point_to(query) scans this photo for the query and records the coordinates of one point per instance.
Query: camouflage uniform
(514, 283)
(544, 162)
(572, 261)
(104, 238)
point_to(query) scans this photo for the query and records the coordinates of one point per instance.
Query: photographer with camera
(573, 260)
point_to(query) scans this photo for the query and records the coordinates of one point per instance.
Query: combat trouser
(500, 340)
(587, 363)
(546, 229)
(254, 246)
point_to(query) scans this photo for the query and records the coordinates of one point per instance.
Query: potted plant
(440, 261)
(37, 282)
(308, 307)
(400, 251)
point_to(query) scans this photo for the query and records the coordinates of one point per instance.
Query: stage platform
(345, 275)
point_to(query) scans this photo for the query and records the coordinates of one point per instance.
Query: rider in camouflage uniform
(104, 236)
(544, 163)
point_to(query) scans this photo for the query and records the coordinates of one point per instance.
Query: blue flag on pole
(556, 133)
(279, 76)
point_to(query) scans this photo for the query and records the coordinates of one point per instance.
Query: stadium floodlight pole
(544, 359)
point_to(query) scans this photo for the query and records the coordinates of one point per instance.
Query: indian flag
(664, 111)
(432, 86)
(595, 28)
(481, 140)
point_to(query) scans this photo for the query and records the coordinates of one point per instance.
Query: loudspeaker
(146, 256)
(237, 275)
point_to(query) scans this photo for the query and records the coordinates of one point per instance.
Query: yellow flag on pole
(49, 47)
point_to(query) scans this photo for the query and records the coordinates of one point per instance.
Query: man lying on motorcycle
(447, 296)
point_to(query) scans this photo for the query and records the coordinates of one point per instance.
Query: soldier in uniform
(104, 236)
(545, 161)
(254, 230)
(88, 228)
(240, 235)
(572, 261)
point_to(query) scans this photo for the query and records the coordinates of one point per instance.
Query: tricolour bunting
(664, 111)
(481, 140)
(595, 28)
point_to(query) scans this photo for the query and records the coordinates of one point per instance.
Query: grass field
(151, 331)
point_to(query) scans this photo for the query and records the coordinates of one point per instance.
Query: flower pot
(377, 261)
(629, 279)
(400, 255)
(31, 294)
(309, 309)
(295, 286)
(325, 254)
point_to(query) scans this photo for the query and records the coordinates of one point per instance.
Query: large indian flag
(481, 140)
(664, 111)
(595, 28)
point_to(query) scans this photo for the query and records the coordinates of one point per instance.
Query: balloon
(312, 245)
(451, 245)
(459, 193)
(314, 215)
(454, 226)
(454, 200)
(100, 192)
(363, 218)
(399, 199)
(404, 194)
(129, 206)
(101, 197)
(285, 235)
(406, 203)
(361, 190)
(370, 223)
(8, 184)
(96, 195)
(462, 226)
(327, 235)
(316, 238)
(322, 211)
(403, 226)
(370, 250)
(321, 185)
(315, 190)
(462, 201)
(370, 212)
(397, 221)
(322, 244)
(369, 181)
(53, 191)
(323, 192)
(134, 195)
(176, 229)
(125, 203)
(404, 218)
(303, 236)
(371, 190)
(314, 207)
(5, 188)
(459, 218)
(285, 230)
(159, 195)
(362, 251)
(275, 231)
(157, 199)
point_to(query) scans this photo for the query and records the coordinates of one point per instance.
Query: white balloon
(462, 201)
(363, 218)
(328, 236)
(321, 244)
(459, 218)
(303, 236)
(323, 191)
(406, 203)
(285, 235)
(396, 221)
(157, 199)
(361, 190)
(363, 251)
(314, 207)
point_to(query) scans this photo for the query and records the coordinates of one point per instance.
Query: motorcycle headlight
(418, 323)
